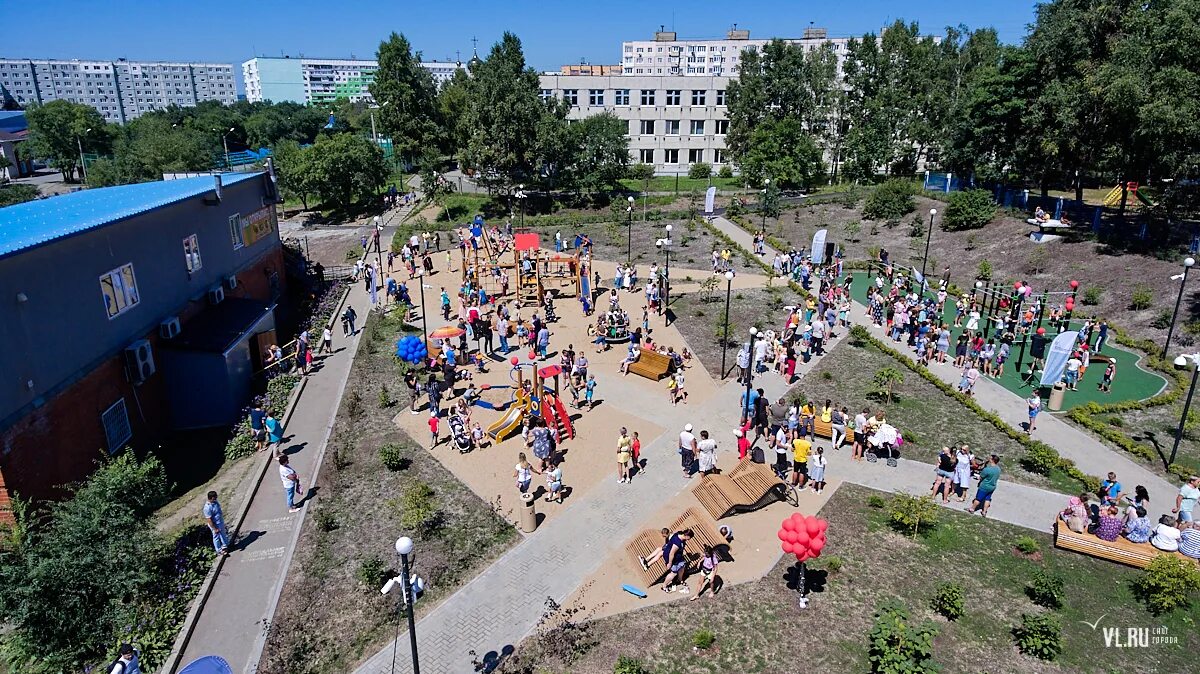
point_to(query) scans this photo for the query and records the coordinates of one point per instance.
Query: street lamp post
(666, 289)
(374, 134)
(928, 238)
(629, 232)
(521, 199)
(746, 411)
(421, 283)
(762, 205)
(82, 163)
(1191, 361)
(725, 341)
(404, 547)
(1187, 264)
(225, 144)
(378, 236)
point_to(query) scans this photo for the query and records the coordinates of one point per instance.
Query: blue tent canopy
(209, 664)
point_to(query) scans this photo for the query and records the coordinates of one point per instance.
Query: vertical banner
(818, 247)
(1056, 357)
(710, 197)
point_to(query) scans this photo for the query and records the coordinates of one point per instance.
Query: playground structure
(533, 270)
(1113, 198)
(541, 401)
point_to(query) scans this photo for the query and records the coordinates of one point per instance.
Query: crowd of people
(1112, 513)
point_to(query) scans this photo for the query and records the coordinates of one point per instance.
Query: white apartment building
(320, 81)
(674, 121)
(666, 54)
(121, 90)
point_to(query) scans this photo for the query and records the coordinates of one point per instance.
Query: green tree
(346, 167)
(603, 151)
(295, 171)
(453, 101)
(59, 128)
(407, 97)
(783, 152)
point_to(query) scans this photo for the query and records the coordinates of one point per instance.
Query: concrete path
(233, 620)
(1089, 454)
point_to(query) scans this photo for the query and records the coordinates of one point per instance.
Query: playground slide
(563, 417)
(1141, 197)
(510, 422)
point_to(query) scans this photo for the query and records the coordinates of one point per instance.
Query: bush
(1091, 295)
(1046, 589)
(372, 572)
(725, 172)
(240, 442)
(385, 397)
(700, 171)
(948, 600)
(916, 228)
(418, 509)
(984, 272)
(1162, 320)
(1168, 583)
(703, 639)
(279, 391)
(912, 513)
(896, 647)
(325, 520)
(393, 456)
(641, 171)
(1142, 298)
(890, 201)
(832, 563)
(852, 229)
(735, 207)
(723, 332)
(859, 335)
(1027, 544)
(628, 665)
(15, 194)
(1041, 458)
(876, 501)
(968, 209)
(1039, 636)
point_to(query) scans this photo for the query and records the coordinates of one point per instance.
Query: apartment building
(674, 121)
(121, 90)
(317, 81)
(666, 54)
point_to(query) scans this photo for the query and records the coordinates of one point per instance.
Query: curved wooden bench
(652, 365)
(825, 430)
(650, 541)
(749, 486)
(1122, 550)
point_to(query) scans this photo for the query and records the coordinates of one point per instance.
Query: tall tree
(603, 151)
(782, 151)
(407, 97)
(294, 168)
(346, 167)
(453, 100)
(59, 128)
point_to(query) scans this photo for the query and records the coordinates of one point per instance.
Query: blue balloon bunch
(411, 349)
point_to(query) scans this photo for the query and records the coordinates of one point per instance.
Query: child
(708, 569)
(554, 490)
(477, 436)
(590, 391)
(523, 473)
(1110, 371)
(635, 448)
(433, 428)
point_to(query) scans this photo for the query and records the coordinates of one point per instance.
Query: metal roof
(37, 222)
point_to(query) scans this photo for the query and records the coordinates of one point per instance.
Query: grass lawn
(331, 614)
(684, 184)
(759, 628)
(1155, 426)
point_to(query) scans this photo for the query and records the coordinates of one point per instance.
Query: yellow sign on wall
(257, 225)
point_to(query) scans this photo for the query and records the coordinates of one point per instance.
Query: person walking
(349, 316)
(589, 391)
(434, 422)
(1110, 372)
(1185, 501)
(274, 433)
(624, 455)
(989, 477)
(706, 454)
(127, 661)
(523, 473)
(326, 340)
(215, 519)
(687, 451)
(1035, 405)
(291, 483)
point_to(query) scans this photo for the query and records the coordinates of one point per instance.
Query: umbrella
(447, 332)
(209, 664)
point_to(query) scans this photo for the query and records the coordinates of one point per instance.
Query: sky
(553, 32)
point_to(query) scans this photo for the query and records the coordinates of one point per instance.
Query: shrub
(1168, 583)
(725, 172)
(1091, 295)
(852, 230)
(418, 509)
(832, 563)
(393, 456)
(884, 383)
(1161, 320)
(911, 513)
(700, 171)
(1041, 458)
(876, 501)
(1027, 545)
(1046, 589)
(385, 397)
(890, 201)
(735, 207)
(641, 171)
(850, 197)
(1038, 258)
(896, 647)
(703, 639)
(354, 408)
(279, 390)
(723, 330)
(15, 194)
(1039, 635)
(826, 375)
(968, 209)
(1142, 298)
(372, 572)
(240, 442)
(325, 520)
(859, 335)
(628, 665)
(916, 228)
(948, 600)
(984, 272)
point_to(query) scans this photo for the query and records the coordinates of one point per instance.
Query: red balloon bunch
(803, 536)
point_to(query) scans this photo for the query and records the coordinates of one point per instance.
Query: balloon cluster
(411, 349)
(1069, 305)
(803, 536)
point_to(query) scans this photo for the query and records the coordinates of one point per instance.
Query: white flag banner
(710, 198)
(1057, 355)
(818, 247)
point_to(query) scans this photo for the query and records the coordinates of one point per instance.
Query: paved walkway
(1088, 453)
(232, 622)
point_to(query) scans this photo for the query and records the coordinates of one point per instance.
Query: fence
(945, 182)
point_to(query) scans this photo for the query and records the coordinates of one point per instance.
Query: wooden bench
(749, 486)
(1121, 550)
(652, 365)
(650, 541)
(825, 430)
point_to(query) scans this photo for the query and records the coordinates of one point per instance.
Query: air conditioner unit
(231, 281)
(216, 295)
(139, 361)
(169, 329)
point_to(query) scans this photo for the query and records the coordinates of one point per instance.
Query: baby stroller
(458, 431)
(885, 444)
(551, 317)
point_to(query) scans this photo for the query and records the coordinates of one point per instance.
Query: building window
(672, 127)
(235, 231)
(672, 156)
(622, 97)
(646, 156)
(545, 94)
(698, 95)
(695, 156)
(595, 97)
(571, 96)
(648, 96)
(718, 156)
(722, 127)
(119, 288)
(116, 426)
(191, 254)
(697, 127)
(720, 97)
(647, 127)
(673, 96)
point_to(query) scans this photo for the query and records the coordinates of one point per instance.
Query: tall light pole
(374, 135)
(1187, 264)
(925, 260)
(82, 163)
(421, 282)
(666, 289)
(225, 144)
(725, 341)
(749, 371)
(404, 547)
(762, 205)
(1192, 362)
(629, 231)
(378, 236)
(521, 201)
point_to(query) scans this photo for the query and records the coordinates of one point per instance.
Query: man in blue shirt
(1110, 490)
(215, 520)
(257, 429)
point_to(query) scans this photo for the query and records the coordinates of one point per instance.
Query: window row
(671, 127)
(671, 156)
(647, 97)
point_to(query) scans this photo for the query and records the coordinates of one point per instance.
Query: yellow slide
(1113, 198)
(512, 419)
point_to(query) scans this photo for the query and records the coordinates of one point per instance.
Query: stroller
(884, 444)
(458, 431)
(551, 317)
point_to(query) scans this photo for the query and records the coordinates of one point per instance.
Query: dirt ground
(1155, 426)
(327, 244)
(700, 316)
(330, 613)
(1006, 245)
(759, 628)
